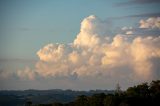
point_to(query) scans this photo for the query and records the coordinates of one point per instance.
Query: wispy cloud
(148, 27)
(17, 60)
(137, 16)
(133, 2)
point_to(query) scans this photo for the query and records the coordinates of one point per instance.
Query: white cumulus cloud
(153, 22)
(93, 54)
(51, 52)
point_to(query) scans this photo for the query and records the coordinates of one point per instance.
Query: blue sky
(28, 25)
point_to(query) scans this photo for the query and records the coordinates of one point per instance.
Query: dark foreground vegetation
(141, 95)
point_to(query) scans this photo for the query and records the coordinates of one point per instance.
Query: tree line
(140, 95)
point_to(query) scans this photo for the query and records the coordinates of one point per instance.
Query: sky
(78, 44)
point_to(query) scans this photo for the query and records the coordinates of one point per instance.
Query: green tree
(81, 101)
(109, 100)
(57, 104)
(97, 99)
(155, 87)
(141, 90)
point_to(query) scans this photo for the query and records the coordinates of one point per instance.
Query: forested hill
(141, 95)
(19, 98)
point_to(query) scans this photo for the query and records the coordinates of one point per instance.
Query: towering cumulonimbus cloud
(94, 55)
(92, 29)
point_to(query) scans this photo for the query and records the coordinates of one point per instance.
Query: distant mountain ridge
(19, 97)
